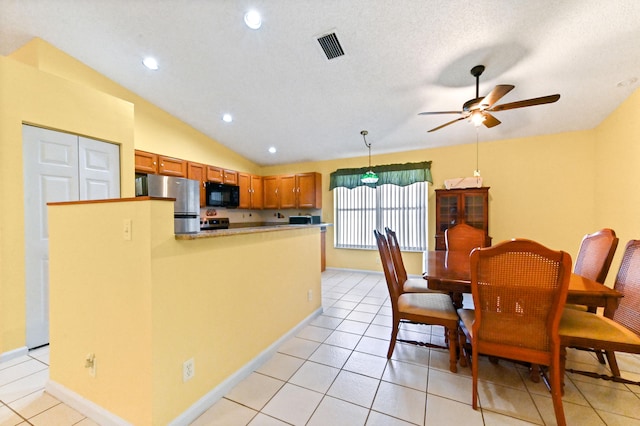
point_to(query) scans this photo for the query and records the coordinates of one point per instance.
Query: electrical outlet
(188, 370)
(90, 363)
(310, 295)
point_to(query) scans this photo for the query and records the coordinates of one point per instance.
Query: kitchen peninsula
(140, 301)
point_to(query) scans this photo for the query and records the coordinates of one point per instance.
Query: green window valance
(396, 174)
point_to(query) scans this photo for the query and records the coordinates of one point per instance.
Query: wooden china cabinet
(454, 206)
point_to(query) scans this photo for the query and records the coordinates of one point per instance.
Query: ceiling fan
(477, 109)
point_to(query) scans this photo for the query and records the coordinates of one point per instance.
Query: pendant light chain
(477, 171)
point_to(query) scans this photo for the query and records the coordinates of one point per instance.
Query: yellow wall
(28, 95)
(617, 186)
(147, 305)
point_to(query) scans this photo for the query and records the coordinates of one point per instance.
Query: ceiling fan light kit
(369, 177)
(478, 109)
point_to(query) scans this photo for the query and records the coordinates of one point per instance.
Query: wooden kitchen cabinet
(220, 175)
(299, 191)
(454, 206)
(287, 192)
(146, 162)
(230, 177)
(309, 190)
(215, 174)
(197, 171)
(270, 187)
(251, 192)
(170, 166)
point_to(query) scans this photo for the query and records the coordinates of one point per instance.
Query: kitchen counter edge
(249, 230)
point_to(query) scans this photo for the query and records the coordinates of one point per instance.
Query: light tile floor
(335, 372)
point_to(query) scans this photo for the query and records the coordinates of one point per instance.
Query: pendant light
(368, 177)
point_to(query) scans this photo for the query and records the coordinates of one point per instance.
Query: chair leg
(613, 364)
(562, 367)
(453, 349)
(394, 336)
(474, 375)
(462, 342)
(556, 393)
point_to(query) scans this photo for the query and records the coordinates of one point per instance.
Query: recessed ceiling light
(150, 63)
(272, 150)
(252, 19)
(227, 118)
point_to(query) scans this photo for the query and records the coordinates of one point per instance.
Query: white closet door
(52, 172)
(99, 169)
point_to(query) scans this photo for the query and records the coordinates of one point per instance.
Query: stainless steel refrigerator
(187, 195)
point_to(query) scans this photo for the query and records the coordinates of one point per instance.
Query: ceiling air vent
(331, 46)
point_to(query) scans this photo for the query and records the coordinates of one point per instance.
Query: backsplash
(246, 216)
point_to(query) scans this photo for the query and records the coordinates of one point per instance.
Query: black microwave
(222, 195)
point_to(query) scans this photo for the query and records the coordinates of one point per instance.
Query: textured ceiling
(401, 57)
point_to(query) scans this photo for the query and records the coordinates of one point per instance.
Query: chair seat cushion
(584, 326)
(467, 316)
(417, 285)
(436, 305)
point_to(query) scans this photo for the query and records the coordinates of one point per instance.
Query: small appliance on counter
(213, 224)
(303, 220)
(185, 191)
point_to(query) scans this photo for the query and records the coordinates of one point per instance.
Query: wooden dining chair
(463, 237)
(619, 334)
(595, 255)
(519, 289)
(408, 285)
(417, 308)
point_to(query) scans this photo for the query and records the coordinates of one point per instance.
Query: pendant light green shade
(369, 177)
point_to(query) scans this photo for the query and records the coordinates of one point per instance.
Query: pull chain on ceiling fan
(478, 109)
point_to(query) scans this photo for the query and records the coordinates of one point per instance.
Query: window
(360, 210)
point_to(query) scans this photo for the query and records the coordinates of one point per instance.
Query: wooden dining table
(449, 271)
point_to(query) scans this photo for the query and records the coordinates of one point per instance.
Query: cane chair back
(618, 334)
(519, 289)
(463, 237)
(407, 285)
(417, 308)
(595, 255)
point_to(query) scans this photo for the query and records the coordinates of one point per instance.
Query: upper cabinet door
(309, 190)
(244, 182)
(215, 174)
(146, 162)
(197, 171)
(257, 192)
(270, 188)
(170, 166)
(230, 177)
(287, 192)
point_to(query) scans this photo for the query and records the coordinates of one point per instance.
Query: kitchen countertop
(246, 230)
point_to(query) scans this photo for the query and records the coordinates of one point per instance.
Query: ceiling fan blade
(498, 92)
(439, 112)
(526, 103)
(446, 124)
(490, 120)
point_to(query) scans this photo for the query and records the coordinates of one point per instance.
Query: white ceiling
(401, 57)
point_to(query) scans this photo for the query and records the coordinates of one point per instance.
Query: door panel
(99, 169)
(56, 166)
(50, 174)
